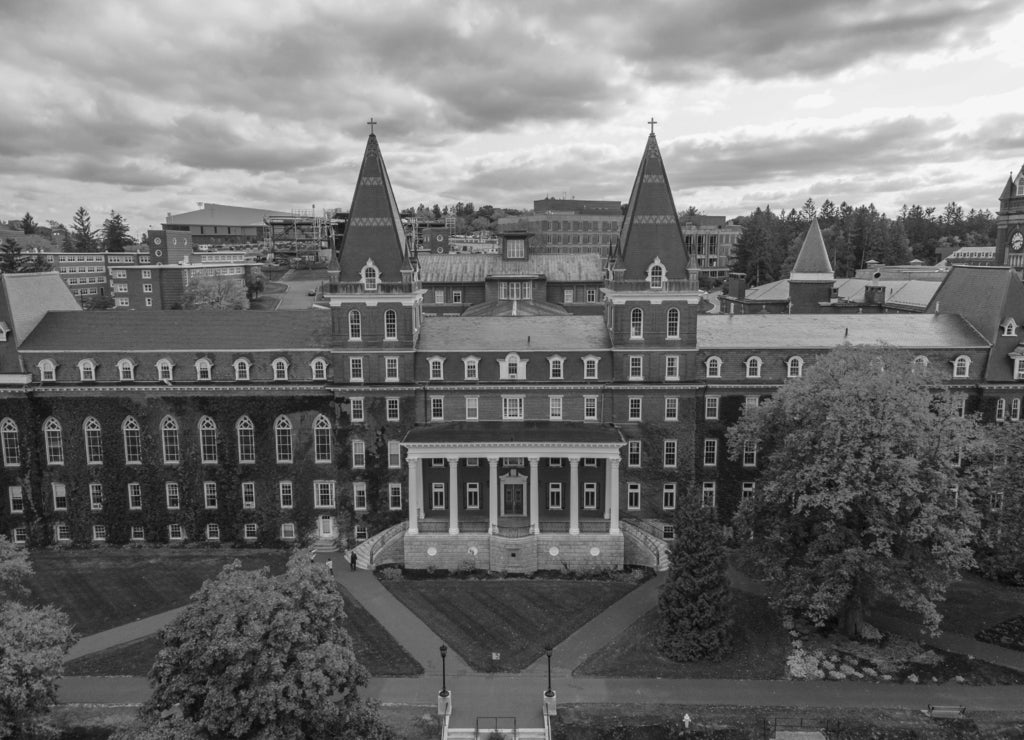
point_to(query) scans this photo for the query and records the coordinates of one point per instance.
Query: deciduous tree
(215, 293)
(861, 494)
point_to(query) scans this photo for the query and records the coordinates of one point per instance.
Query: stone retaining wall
(514, 555)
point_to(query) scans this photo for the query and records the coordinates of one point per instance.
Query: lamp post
(547, 651)
(550, 704)
(444, 684)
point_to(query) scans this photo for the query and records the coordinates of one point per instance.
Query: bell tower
(1010, 223)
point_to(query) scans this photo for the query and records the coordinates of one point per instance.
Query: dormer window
(556, 367)
(920, 363)
(961, 366)
(4, 331)
(242, 367)
(1009, 327)
(795, 367)
(369, 276)
(753, 367)
(318, 368)
(515, 249)
(713, 367)
(47, 371)
(125, 369)
(436, 365)
(204, 369)
(512, 367)
(590, 367)
(165, 370)
(87, 370)
(656, 274)
(1018, 366)
(471, 367)
(280, 369)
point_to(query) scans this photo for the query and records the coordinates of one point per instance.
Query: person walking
(352, 560)
(330, 566)
(312, 555)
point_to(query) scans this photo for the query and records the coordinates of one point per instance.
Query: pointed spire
(1007, 189)
(812, 263)
(651, 227)
(374, 229)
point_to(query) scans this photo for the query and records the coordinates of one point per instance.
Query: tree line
(112, 236)
(768, 247)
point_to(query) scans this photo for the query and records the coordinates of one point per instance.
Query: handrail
(656, 546)
(385, 537)
(515, 728)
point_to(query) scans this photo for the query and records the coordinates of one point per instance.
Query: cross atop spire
(371, 123)
(651, 124)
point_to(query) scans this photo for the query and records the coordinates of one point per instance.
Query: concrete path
(119, 635)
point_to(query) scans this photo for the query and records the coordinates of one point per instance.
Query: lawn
(759, 649)
(511, 617)
(103, 588)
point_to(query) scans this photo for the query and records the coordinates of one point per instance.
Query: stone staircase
(522, 733)
(655, 545)
(366, 550)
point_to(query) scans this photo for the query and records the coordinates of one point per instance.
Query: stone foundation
(514, 555)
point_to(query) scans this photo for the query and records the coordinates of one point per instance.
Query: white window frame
(390, 325)
(589, 495)
(591, 367)
(16, 499)
(670, 453)
(713, 367)
(285, 494)
(204, 369)
(95, 496)
(671, 408)
(318, 368)
(471, 368)
(669, 493)
(555, 497)
(355, 326)
(753, 366)
(288, 530)
(125, 370)
(709, 494)
(355, 370)
(513, 408)
(280, 368)
(248, 494)
(634, 408)
(633, 493)
(10, 441)
(672, 323)
(962, 366)
(672, 367)
(165, 369)
(747, 489)
(92, 434)
(391, 369)
(436, 408)
(170, 440)
(435, 366)
(795, 367)
(284, 443)
(175, 532)
(472, 408)
(47, 371)
(358, 409)
(712, 405)
(324, 494)
(213, 531)
(555, 408)
(472, 493)
(87, 370)
(636, 367)
(749, 453)
(210, 499)
(590, 410)
(53, 437)
(137, 533)
(134, 496)
(243, 369)
(245, 439)
(393, 408)
(438, 499)
(634, 456)
(359, 497)
(556, 367)
(208, 441)
(395, 496)
(710, 456)
(358, 454)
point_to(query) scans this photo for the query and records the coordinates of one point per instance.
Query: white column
(534, 495)
(574, 495)
(612, 493)
(415, 476)
(607, 489)
(453, 495)
(492, 499)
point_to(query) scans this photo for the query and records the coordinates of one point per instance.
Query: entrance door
(513, 499)
(326, 526)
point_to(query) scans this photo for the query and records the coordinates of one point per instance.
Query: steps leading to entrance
(366, 550)
(656, 546)
(523, 733)
(325, 545)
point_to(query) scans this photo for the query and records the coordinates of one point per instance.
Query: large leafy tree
(261, 656)
(115, 233)
(33, 642)
(862, 495)
(694, 601)
(83, 235)
(215, 293)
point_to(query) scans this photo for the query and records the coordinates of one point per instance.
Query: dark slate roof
(522, 333)
(515, 308)
(518, 431)
(979, 294)
(813, 257)
(910, 293)
(1008, 189)
(824, 331)
(475, 268)
(374, 228)
(30, 295)
(151, 331)
(651, 226)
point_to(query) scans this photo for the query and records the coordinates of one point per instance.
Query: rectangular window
(633, 496)
(96, 496)
(471, 368)
(671, 453)
(361, 533)
(472, 495)
(288, 531)
(711, 407)
(589, 495)
(668, 496)
(472, 408)
(591, 295)
(749, 454)
(456, 296)
(472, 462)
(391, 369)
(357, 410)
(99, 532)
(135, 496)
(671, 409)
(672, 367)
(436, 369)
(358, 453)
(250, 531)
(437, 462)
(554, 495)
(394, 496)
(17, 499)
(323, 494)
(1014, 409)
(62, 532)
(248, 495)
(60, 497)
(590, 408)
(175, 532)
(747, 489)
(359, 496)
(355, 369)
(635, 408)
(138, 533)
(590, 369)
(751, 401)
(512, 408)
(555, 408)
(436, 408)
(285, 494)
(210, 494)
(394, 453)
(567, 295)
(556, 368)
(711, 452)
(636, 367)
(393, 407)
(439, 295)
(633, 453)
(1001, 409)
(707, 494)
(437, 496)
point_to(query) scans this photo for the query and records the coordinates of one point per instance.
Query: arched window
(47, 371)
(242, 367)
(126, 369)
(513, 367)
(9, 442)
(355, 325)
(204, 369)
(208, 440)
(283, 439)
(713, 367)
(920, 363)
(54, 439)
(318, 367)
(794, 367)
(87, 370)
(93, 441)
(322, 439)
(280, 369)
(657, 277)
(753, 367)
(370, 277)
(246, 434)
(132, 434)
(636, 324)
(961, 366)
(1009, 328)
(165, 370)
(672, 323)
(390, 324)
(170, 440)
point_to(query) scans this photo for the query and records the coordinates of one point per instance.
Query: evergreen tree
(83, 236)
(115, 233)
(28, 224)
(694, 602)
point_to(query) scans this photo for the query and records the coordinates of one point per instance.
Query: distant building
(978, 256)
(587, 225)
(711, 240)
(216, 225)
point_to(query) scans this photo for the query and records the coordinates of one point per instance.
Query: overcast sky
(150, 107)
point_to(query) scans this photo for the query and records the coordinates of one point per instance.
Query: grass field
(514, 618)
(759, 649)
(972, 604)
(103, 588)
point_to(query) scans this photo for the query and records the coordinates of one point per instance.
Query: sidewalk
(119, 635)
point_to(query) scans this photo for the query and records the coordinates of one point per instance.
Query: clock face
(1017, 242)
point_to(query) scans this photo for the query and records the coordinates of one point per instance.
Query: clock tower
(1010, 223)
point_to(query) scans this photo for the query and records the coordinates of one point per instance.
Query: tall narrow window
(358, 453)
(668, 496)
(391, 369)
(394, 453)
(635, 408)
(472, 408)
(355, 325)
(711, 407)
(393, 408)
(370, 278)
(169, 436)
(93, 442)
(208, 440)
(248, 495)
(283, 439)
(670, 453)
(711, 452)
(657, 277)
(672, 323)
(359, 496)
(135, 496)
(323, 494)
(633, 453)
(246, 434)
(322, 439)
(355, 369)
(285, 494)
(60, 497)
(632, 496)
(714, 367)
(390, 324)
(9, 442)
(132, 434)
(671, 408)
(54, 439)
(172, 493)
(210, 494)
(636, 324)
(96, 496)
(672, 367)
(707, 497)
